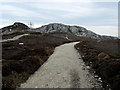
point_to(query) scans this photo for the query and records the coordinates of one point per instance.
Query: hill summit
(54, 28)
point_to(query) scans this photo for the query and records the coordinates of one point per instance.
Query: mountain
(76, 30)
(55, 28)
(17, 26)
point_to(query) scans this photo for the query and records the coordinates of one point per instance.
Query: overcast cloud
(100, 17)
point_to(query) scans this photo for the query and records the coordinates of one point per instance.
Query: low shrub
(105, 65)
(21, 61)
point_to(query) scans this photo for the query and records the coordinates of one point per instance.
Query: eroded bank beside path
(63, 69)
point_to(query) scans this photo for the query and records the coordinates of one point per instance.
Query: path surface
(64, 69)
(14, 38)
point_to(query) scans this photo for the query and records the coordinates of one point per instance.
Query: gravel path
(14, 38)
(64, 69)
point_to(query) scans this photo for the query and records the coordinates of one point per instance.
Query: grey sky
(100, 17)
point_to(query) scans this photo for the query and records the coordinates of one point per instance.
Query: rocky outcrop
(55, 28)
(17, 26)
(76, 30)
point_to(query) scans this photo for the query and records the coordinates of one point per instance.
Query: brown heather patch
(21, 61)
(105, 62)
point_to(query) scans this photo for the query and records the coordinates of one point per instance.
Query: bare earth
(64, 69)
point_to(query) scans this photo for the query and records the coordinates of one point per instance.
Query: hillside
(54, 28)
(23, 56)
(104, 59)
(17, 26)
(68, 32)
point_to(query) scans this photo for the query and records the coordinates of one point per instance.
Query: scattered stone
(90, 62)
(99, 78)
(83, 56)
(21, 43)
(10, 29)
(107, 85)
(88, 67)
(101, 81)
(96, 76)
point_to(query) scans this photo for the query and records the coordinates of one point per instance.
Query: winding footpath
(14, 38)
(64, 69)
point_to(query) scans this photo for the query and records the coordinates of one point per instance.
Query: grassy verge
(105, 63)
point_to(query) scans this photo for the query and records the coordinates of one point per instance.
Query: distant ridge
(55, 28)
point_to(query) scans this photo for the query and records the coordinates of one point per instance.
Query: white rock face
(56, 27)
(76, 30)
